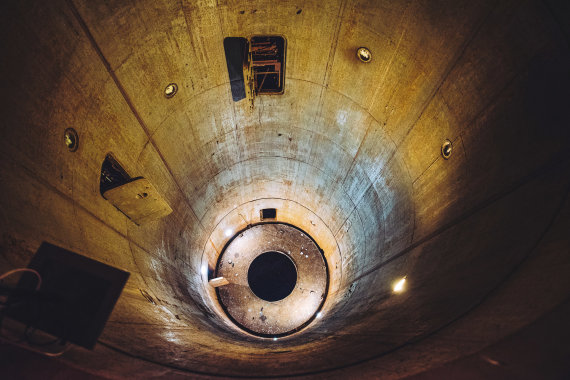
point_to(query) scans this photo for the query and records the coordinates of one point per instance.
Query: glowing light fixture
(399, 285)
(364, 54)
(71, 139)
(446, 149)
(170, 90)
(491, 361)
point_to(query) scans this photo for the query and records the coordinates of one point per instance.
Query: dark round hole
(272, 276)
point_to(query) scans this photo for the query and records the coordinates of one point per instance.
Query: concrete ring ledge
(264, 317)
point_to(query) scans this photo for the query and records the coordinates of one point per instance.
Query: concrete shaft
(350, 153)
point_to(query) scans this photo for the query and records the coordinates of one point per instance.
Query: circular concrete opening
(272, 276)
(277, 279)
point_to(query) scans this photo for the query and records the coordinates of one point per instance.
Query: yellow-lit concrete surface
(351, 153)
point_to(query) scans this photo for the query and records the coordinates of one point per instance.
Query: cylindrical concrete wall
(350, 153)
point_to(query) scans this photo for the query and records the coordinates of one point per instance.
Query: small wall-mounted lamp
(364, 54)
(399, 285)
(446, 149)
(170, 90)
(71, 139)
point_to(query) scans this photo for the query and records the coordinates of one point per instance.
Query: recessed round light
(71, 139)
(364, 54)
(446, 149)
(170, 90)
(398, 286)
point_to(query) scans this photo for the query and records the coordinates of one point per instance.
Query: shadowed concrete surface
(532, 353)
(349, 153)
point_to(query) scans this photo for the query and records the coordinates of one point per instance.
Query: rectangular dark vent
(112, 175)
(268, 213)
(268, 63)
(236, 49)
(76, 297)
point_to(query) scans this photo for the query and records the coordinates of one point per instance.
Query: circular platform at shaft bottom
(278, 279)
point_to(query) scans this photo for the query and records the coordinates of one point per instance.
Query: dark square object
(76, 297)
(268, 213)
